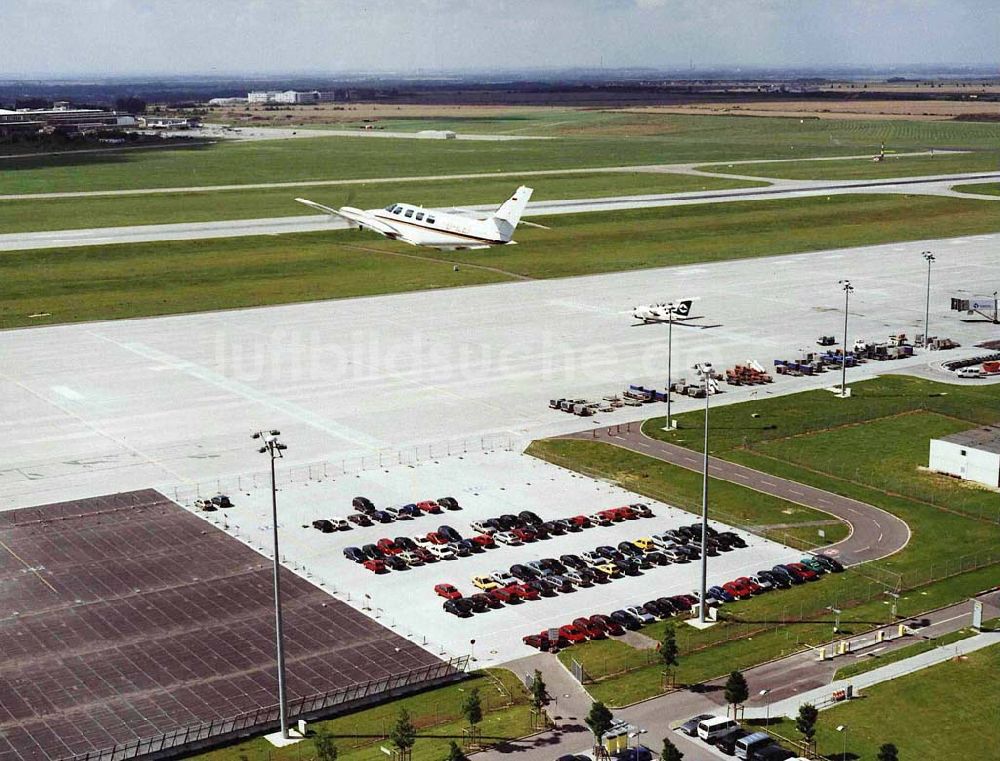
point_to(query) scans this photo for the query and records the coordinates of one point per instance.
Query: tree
(888, 752)
(325, 749)
(668, 647)
(806, 721)
(539, 692)
(670, 752)
(599, 720)
(454, 752)
(472, 708)
(737, 690)
(403, 734)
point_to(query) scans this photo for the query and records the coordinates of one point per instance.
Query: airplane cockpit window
(409, 213)
(420, 215)
(390, 207)
(430, 220)
(397, 210)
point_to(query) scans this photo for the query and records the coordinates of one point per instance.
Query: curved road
(874, 533)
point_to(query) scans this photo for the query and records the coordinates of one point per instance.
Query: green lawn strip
(982, 188)
(142, 279)
(208, 206)
(865, 168)
(621, 140)
(676, 486)
(435, 713)
(869, 663)
(947, 711)
(635, 239)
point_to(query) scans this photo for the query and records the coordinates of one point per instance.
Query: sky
(215, 37)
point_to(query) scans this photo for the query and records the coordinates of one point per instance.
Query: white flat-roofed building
(287, 97)
(970, 455)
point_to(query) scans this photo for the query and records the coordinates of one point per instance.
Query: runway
(169, 402)
(933, 185)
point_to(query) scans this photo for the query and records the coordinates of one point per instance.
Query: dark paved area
(125, 617)
(875, 533)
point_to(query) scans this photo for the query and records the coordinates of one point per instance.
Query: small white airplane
(425, 227)
(681, 310)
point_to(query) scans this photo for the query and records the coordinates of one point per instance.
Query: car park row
(447, 543)
(730, 738)
(368, 515)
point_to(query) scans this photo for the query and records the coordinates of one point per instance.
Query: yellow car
(609, 570)
(484, 583)
(645, 544)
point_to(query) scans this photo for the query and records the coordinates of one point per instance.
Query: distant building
(288, 97)
(437, 134)
(61, 117)
(227, 102)
(970, 455)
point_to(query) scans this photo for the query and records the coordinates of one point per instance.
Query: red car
(737, 590)
(388, 547)
(375, 566)
(491, 602)
(425, 555)
(447, 591)
(755, 588)
(503, 595)
(525, 535)
(540, 641)
(606, 623)
(802, 571)
(485, 541)
(593, 631)
(611, 514)
(573, 633)
(523, 591)
(435, 538)
(627, 513)
(581, 520)
(429, 506)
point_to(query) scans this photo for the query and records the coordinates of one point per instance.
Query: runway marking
(67, 393)
(28, 567)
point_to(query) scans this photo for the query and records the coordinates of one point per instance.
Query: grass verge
(866, 169)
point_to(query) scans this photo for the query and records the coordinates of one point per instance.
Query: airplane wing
(356, 216)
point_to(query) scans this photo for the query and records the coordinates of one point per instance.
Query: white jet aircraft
(425, 227)
(681, 310)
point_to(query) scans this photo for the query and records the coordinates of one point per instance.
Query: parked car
(410, 558)
(643, 615)
(388, 546)
(551, 565)
(721, 594)
(459, 607)
(325, 525)
(581, 521)
(449, 503)
(381, 516)
(480, 603)
(506, 537)
(625, 619)
(736, 590)
(441, 551)
(481, 527)
(658, 609)
(491, 602)
(396, 563)
(683, 602)
(355, 554)
(362, 504)
(509, 522)
(573, 633)
(449, 533)
(600, 519)
(470, 546)
(642, 510)
(460, 549)
(412, 510)
(539, 641)
(398, 514)
(627, 548)
(529, 517)
(690, 727)
(372, 551)
(609, 553)
(657, 558)
(524, 534)
(608, 624)
(609, 570)
(734, 539)
(433, 537)
(777, 580)
(833, 565)
(485, 541)
(429, 506)
(523, 572)
(575, 578)
(627, 567)
(425, 555)
(813, 564)
(375, 565)
(542, 586)
(727, 742)
(484, 582)
(503, 595)
(503, 578)
(755, 588)
(765, 585)
(554, 528)
(592, 630)
(359, 519)
(524, 592)
(806, 574)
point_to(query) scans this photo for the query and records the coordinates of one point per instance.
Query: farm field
(847, 108)
(653, 139)
(131, 280)
(866, 169)
(207, 206)
(964, 689)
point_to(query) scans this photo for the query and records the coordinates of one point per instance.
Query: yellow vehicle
(484, 583)
(645, 544)
(609, 570)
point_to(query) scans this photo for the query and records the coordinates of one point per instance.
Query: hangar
(970, 455)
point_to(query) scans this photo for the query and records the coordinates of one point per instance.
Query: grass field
(941, 547)
(436, 714)
(652, 139)
(206, 206)
(857, 169)
(131, 280)
(948, 711)
(984, 188)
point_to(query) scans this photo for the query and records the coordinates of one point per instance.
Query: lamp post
(848, 290)
(929, 257)
(767, 706)
(274, 448)
(705, 369)
(843, 728)
(671, 310)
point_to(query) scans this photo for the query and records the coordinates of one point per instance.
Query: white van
(710, 729)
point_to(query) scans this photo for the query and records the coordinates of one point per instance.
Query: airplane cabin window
(430, 220)
(397, 210)
(409, 213)
(420, 215)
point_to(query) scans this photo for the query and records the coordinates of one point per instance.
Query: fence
(411, 455)
(220, 730)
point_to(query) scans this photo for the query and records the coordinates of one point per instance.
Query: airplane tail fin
(510, 211)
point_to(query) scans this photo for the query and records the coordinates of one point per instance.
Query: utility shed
(971, 455)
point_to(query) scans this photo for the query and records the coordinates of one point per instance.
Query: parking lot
(486, 485)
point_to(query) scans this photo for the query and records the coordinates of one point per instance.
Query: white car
(505, 537)
(503, 578)
(441, 551)
(574, 578)
(481, 528)
(409, 558)
(641, 614)
(674, 556)
(662, 541)
(592, 558)
(762, 583)
(599, 520)
(399, 516)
